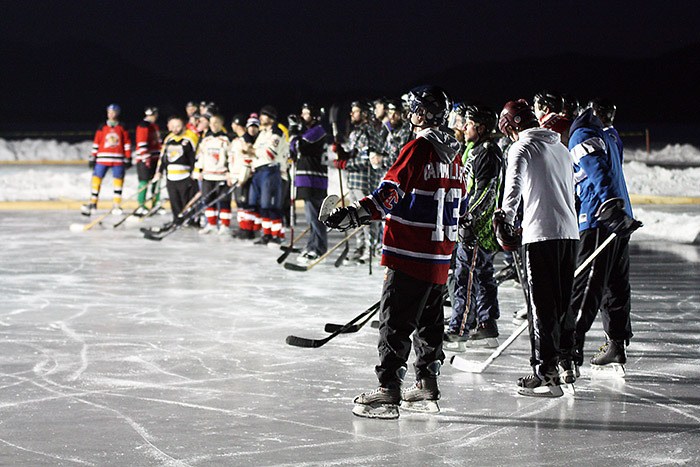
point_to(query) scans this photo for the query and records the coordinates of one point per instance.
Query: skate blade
(569, 389)
(455, 346)
(385, 412)
(542, 391)
(420, 406)
(611, 370)
(488, 343)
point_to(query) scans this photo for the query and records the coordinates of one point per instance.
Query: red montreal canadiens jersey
(111, 145)
(422, 198)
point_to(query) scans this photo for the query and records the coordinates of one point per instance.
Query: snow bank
(679, 228)
(43, 149)
(645, 180)
(680, 154)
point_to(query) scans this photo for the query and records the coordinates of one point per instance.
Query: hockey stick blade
(342, 256)
(313, 343)
(151, 236)
(374, 324)
(333, 327)
(295, 267)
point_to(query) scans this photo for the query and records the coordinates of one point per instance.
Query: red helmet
(518, 116)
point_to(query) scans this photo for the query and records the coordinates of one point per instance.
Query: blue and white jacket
(598, 174)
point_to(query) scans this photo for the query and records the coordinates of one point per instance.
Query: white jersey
(240, 160)
(212, 156)
(271, 147)
(540, 170)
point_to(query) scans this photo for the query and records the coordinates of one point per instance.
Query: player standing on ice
(539, 172)
(148, 145)
(605, 208)
(111, 149)
(308, 150)
(483, 161)
(421, 198)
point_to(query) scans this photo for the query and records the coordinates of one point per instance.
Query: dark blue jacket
(597, 167)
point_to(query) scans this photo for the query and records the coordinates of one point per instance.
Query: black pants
(549, 267)
(409, 306)
(605, 286)
(180, 193)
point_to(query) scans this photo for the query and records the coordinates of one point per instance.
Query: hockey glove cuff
(91, 163)
(613, 216)
(349, 217)
(507, 235)
(340, 163)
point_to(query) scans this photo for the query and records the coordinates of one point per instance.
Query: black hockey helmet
(553, 101)
(269, 111)
(151, 110)
(315, 111)
(482, 115)
(430, 101)
(604, 109)
(571, 107)
(239, 119)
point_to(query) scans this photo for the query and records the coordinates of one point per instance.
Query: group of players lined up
(262, 155)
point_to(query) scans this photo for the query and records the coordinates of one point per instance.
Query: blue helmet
(115, 107)
(431, 102)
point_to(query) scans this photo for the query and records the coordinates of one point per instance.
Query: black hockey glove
(466, 230)
(91, 162)
(348, 218)
(613, 216)
(127, 164)
(507, 235)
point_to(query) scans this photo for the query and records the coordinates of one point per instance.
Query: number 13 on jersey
(449, 202)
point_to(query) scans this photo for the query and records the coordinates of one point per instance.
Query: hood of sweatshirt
(539, 134)
(586, 119)
(444, 143)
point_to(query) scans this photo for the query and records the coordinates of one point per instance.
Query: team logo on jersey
(214, 154)
(174, 152)
(112, 140)
(389, 198)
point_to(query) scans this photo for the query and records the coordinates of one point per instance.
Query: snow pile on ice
(672, 154)
(43, 149)
(680, 228)
(654, 180)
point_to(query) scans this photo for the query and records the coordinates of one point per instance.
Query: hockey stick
(99, 219)
(288, 249)
(134, 211)
(297, 267)
(305, 342)
(185, 212)
(479, 367)
(333, 327)
(333, 117)
(178, 225)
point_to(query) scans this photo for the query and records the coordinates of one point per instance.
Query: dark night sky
(322, 48)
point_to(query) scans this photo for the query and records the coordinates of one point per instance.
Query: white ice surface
(115, 350)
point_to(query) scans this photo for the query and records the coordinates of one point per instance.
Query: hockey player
(539, 174)
(192, 110)
(605, 208)
(421, 198)
(148, 146)
(484, 166)
(353, 157)
(214, 173)
(177, 162)
(548, 108)
(308, 150)
(111, 149)
(399, 133)
(243, 154)
(271, 151)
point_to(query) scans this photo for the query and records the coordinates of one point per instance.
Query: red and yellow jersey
(111, 144)
(148, 143)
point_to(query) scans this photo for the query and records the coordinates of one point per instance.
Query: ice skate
(140, 211)
(274, 242)
(117, 210)
(610, 360)
(264, 240)
(381, 403)
(88, 209)
(223, 230)
(485, 335)
(306, 258)
(568, 374)
(207, 229)
(506, 274)
(421, 397)
(519, 315)
(453, 342)
(533, 386)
